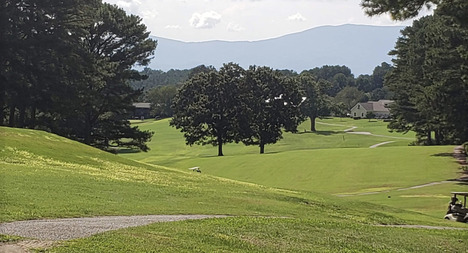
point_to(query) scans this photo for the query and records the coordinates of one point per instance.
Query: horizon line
(276, 37)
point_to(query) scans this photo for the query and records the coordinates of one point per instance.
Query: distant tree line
(255, 105)
(159, 78)
(65, 67)
(341, 88)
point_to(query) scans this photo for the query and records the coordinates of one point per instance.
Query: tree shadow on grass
(320, 132)
(443, 154)
(127, 151)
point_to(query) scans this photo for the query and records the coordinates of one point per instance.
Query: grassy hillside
(43, 175)
(329, 161)
(46, 176)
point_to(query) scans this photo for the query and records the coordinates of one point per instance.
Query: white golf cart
(457, 210)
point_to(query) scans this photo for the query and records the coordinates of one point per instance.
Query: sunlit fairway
(330, 161)
(46, 176)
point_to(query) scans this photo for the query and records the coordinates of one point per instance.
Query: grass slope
(46, 176)
(329, 161)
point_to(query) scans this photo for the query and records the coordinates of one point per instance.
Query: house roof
(376, 106)
(379, 107)
(367, 106)
(142, 105)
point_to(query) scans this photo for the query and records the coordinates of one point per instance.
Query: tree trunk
(262, 148)
(22, 115)
(11, 118)
(220, 146)
(312, 124)
(437, 137)
(87, 131)
(429, 137)
(2, 99)
(2, 114)
(32, 121)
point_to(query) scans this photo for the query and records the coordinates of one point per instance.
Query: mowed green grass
(168, 144)
(258, 234)
(329, 161)
(46, 176)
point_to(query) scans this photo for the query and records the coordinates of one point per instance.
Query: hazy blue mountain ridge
(360, 47)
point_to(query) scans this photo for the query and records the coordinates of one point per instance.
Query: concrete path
(398, 189)
(380, 144)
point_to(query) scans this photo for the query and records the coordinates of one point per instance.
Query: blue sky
(244, 20)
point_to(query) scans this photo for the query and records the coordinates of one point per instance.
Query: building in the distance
(142, 110)
(378, 108)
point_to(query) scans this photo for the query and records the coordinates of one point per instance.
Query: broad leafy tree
(338, 76)
(271, 103)
(207, 107)
(350, 96)
(316, 102)
(161, 99)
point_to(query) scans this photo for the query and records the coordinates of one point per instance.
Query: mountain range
(359, 47)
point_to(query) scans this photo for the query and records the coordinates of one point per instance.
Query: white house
(379, 108)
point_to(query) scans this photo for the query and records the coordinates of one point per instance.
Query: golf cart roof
(460, 193)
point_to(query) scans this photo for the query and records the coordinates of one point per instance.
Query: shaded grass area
(250, 234)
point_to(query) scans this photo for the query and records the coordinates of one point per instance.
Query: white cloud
(146, 14)
(233, 27)
(172, 27)
(207, 19)
(297, 17)
(128, 3)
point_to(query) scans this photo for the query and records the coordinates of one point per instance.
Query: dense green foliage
(399, 10)
(271, 105)
(429, 78)
(161, 99)
(316, 102)
(156, 78)
(65, 67)
(235, 105)
(334, 81)
(207, 107)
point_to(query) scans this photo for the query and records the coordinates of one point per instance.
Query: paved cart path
(47, 232)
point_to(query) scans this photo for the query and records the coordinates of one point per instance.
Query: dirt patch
(25, 246)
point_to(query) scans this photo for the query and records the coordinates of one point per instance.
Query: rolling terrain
(330, 161)
(47, 176)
